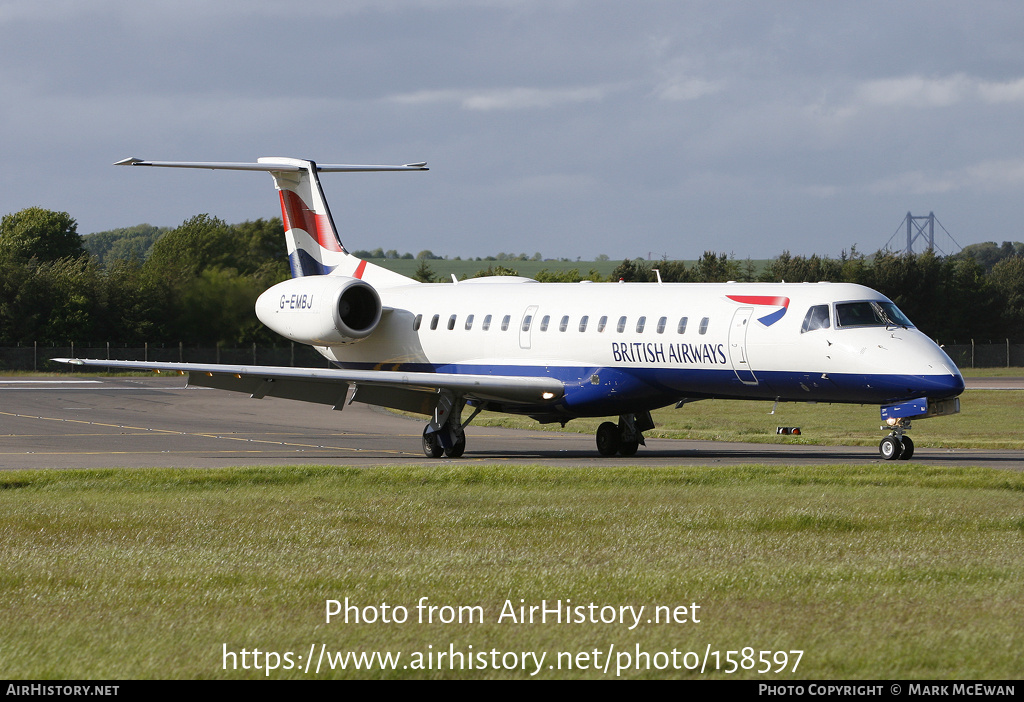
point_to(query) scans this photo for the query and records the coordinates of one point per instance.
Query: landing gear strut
(445, 434)
(897, 445)
(625, 437)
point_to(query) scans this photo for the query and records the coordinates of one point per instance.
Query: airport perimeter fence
(972, 355)
(36, 357)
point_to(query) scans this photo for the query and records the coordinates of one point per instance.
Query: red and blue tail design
(313, 244)
(314, 247)
(299, 219)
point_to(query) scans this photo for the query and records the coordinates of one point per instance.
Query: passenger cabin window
(816, 318)
(661, 325)
(870, 314)
(583, 323)
(433, 322)
(505, 321)
(487, 323)
(416, 322)
(602, 323)
(527, 320)
(564, 324)
(621, 326)
(451, 322)
(681, 329)
(469, 322)
(640, 325)
(544, 322)
(703, 326)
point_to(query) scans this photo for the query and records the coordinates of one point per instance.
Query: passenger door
(738, 345)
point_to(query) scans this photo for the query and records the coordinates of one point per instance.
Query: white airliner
(557, 351)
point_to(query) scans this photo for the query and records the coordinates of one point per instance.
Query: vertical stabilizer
(314, 247)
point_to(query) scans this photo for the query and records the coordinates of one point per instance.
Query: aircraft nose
(941, 386)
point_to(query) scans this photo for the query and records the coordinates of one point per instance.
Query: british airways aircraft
(558, 351)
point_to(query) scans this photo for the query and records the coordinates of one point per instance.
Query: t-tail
(314, 247)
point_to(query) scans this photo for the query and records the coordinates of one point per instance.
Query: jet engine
(323, 310)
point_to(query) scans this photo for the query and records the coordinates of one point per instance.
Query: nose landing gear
(897, 445)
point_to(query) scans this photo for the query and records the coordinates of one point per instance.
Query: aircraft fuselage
(627, 347)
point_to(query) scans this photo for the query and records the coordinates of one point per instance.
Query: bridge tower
(920, 226)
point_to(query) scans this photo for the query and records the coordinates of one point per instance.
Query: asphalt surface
(158, 422)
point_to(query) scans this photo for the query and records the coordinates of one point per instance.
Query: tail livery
(314, 247)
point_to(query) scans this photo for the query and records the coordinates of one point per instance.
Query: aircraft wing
(411, 392)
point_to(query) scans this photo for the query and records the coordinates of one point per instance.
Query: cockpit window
(870, 314)
(817, 318)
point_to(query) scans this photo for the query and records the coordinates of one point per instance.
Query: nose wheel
(896, 446)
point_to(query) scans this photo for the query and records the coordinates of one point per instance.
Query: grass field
(988, 419)
(872, 571)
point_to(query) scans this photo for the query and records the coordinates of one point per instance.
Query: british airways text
(639, 352)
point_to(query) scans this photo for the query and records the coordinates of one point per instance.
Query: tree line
(951, 298)
(197, 283)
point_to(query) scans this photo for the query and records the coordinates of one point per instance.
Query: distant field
(841, 572)
(446, 267)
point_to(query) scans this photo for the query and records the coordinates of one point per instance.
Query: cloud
(988, 175)
(921, 92)
(504, 98)
(918, 183)
(681, 88)
(1012, 91)
(997, 174)
(916, 91)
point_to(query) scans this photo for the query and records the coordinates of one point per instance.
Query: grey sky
(569, 128)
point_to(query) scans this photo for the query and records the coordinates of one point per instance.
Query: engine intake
(323, 310)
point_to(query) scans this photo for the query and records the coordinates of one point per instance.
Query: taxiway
(158, 422)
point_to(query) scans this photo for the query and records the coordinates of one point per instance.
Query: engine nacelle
(324, 310)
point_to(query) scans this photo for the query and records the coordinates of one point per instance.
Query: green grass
(874, 571)
(988, 419)
(1009, 372)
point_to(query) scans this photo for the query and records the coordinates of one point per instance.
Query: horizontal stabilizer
(269, 165)
(311, 237)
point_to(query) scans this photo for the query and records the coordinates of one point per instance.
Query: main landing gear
(445, 434)
(897, 445)
(625, 437)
